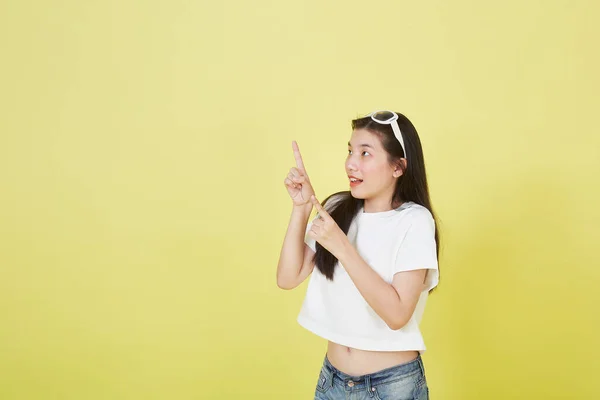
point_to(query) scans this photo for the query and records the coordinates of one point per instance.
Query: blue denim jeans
(400, 382)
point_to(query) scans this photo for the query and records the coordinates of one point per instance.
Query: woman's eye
(350, 152)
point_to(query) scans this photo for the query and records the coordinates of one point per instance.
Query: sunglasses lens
(383, 116)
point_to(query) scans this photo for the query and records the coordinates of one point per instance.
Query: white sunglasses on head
(389, 118)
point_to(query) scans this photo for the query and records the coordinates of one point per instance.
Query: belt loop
(368, 385)
(328, 373)
(421, 366)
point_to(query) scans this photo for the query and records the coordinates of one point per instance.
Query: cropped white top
(391, 241)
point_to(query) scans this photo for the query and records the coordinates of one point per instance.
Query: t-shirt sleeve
(418, 248)
(307, 239)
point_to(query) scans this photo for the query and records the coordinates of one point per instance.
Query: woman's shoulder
(417, 212)
(420, 216)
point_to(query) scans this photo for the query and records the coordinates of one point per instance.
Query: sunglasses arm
(396, 130)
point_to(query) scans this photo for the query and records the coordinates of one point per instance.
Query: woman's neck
(373, 206)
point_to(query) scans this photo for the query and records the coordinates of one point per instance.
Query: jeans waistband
(376, 378)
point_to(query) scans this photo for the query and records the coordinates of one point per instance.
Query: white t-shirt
(390, 241)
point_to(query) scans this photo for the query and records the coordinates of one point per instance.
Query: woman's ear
(400, 168)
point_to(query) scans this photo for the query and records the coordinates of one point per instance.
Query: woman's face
(368, 162)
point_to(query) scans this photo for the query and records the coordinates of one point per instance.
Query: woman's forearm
(380, 295)
(292, 250)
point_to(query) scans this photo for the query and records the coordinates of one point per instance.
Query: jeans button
(350, 383)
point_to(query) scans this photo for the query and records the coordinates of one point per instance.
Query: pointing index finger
(319, 207)
(298, 157)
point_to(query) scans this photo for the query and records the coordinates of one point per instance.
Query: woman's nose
(350, 165)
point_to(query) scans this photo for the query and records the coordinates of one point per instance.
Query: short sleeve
(418, 248)
(307, 239)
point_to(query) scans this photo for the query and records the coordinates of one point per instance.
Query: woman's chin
(356, 193)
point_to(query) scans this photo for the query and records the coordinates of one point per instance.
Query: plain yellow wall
(143, 147)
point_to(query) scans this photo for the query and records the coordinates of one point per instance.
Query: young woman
(375, 249)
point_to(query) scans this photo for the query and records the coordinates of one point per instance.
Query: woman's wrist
(304, 208)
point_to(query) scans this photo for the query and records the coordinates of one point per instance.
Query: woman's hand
(327, 232)
(297, 182)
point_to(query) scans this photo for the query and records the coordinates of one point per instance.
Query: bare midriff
(360, 362)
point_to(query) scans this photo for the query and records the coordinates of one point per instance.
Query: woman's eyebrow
(363, 145)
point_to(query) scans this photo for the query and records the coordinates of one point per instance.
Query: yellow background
(143, 147)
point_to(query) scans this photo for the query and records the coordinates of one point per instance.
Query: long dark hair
(410, 186)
